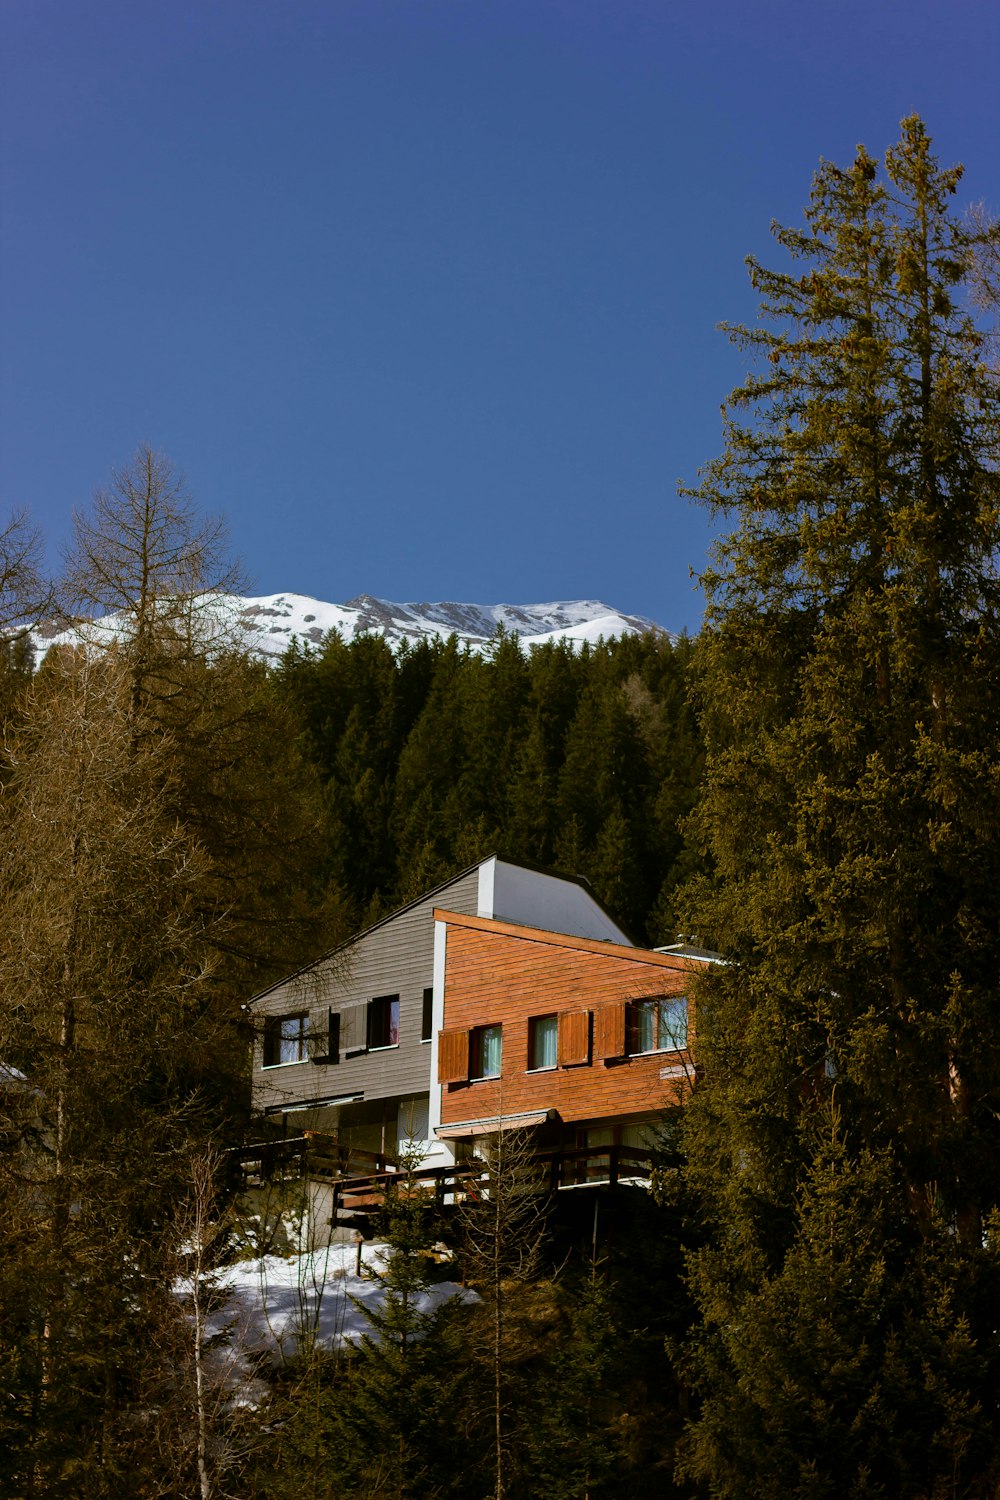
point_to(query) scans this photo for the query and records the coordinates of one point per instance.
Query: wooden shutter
(610, 1030)
(453, 1056)
(272, 1038)
(333, 1037)
(574, 1038)
(354, 1029)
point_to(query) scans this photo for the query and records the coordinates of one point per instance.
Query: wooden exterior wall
(396, 957)
(499, 974)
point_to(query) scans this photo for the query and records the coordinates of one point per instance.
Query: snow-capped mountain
(266, 625)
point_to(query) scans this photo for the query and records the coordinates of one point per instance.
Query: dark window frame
(534, 1024)
(287, 1033)
(665, 1036)
(383, 1022)
(478, 1040)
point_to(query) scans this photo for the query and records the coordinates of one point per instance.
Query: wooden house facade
(585, 1040)
(345, 1046)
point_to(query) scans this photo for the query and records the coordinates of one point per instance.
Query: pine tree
(850, 697)
(576, 1452)
(24, 598)
(381, 1420)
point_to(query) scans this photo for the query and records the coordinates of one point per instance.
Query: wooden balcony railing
(360, 1179)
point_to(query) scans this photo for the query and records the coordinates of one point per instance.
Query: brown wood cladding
(497, 973)
(609, 1030)
(574, 1038)
(453, 1056)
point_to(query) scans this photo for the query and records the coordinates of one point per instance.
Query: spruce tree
(844, 1138)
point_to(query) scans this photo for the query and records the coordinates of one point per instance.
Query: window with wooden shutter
(383, 1021)
(453, 1056)
(486, 1052)
(656, 1025)
(286, 1039)
(574, 1038)
(543, 1042)
(609, 1028)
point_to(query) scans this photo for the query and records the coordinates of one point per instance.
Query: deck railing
(359, 1179)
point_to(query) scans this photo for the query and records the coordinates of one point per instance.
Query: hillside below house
(266, 625)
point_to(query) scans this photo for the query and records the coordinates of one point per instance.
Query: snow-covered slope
(266, 625)
(266, 1306)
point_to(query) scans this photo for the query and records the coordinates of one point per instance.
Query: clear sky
(422, 294)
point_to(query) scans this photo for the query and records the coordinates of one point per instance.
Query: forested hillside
(182, 824)
(585, 761)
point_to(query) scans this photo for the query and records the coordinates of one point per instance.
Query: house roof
(445, 885)
(653, 956)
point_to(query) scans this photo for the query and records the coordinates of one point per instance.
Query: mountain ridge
(266, 624)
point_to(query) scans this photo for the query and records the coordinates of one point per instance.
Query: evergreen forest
(805, 1302)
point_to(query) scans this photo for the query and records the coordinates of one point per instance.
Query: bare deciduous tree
(105, 962)
(24, 594)
(143, 554)
(984, 273)
(503, 1230)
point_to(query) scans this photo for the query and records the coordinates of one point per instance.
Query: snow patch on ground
(272, 1308)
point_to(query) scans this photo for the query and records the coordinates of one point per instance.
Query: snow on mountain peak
(268, 623)
(271, 621)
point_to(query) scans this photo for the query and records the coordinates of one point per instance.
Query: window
(658, 1025)
(383, 1021)
(543, 1042)
(485, 1052)
(427, 1019)
(285, 1039)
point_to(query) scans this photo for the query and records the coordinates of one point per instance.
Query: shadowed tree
(238, 779)
(106, 964)
(844, 1136)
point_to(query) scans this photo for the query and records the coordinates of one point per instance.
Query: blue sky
(422, 294)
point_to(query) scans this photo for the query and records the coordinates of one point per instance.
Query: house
(346, 1046)
(583, 1040)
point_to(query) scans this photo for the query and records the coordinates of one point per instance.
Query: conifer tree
(380, 1420)
(574, 1447)
(844, 1137)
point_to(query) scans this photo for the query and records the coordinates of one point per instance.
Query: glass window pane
(544, 1042)
(673, 1023)
(647, 1026)
(291, 1045)
(489, 1052)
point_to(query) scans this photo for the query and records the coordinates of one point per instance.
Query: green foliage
(379, 1421)
(585, 761)
(843, 1139)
